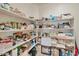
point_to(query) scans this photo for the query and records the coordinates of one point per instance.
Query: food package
(7, 43)
(61, 34)
(23, 27)
(30, 27)
(45, 50)
(55, 52)
(54, 41)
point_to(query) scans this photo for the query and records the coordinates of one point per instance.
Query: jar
(6, 6)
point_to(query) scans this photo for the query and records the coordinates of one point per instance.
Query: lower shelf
(13, 47)
(70, 48)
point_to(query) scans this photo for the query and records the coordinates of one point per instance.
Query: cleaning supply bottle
(76, 49)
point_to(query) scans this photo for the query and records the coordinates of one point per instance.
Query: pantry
(26, 36)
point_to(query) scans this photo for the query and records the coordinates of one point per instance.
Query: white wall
(29, 9)
(56, 9)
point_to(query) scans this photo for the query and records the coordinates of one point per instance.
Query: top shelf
(9, 13)
(64, 20)
(55, 21)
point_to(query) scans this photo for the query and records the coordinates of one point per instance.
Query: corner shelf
(13, 47)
